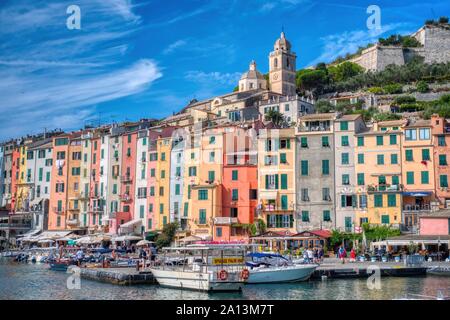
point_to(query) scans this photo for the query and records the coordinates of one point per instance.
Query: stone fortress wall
(435, 48)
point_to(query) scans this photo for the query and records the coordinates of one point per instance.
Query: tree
(236, 89)
(260, 226)
(311, 79)
(386, 116)
(344, 71)
(323, 106)
(168, 235)
(443, 20)
(422, 86)
(275, 116)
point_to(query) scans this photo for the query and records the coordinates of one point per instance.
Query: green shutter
(283, 158)
(343, 201)
(392, 200)
(442, 160)
(360, 141)
(394, 158)
(425, 154)
(325, 167)
(443, 181)
(424, 177)
(284, 202)
(378, 201)
(288, 143)
(410, 177)
(276, 181)
(361, 179)
(380, 159)
(360, 158)
(379, 140)
(409, 155)
(267, 182)
(385, 219)
(393, 139)
(395, 180)
(304, 167)
(284, 182)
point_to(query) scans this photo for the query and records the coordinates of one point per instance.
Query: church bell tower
(282, 67)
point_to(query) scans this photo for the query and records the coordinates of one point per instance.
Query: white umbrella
(127, 238)
(45, 241)
(144, 243)
(64, 239)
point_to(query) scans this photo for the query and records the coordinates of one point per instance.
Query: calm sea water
(28, 281)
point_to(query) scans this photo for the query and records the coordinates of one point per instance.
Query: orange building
(73, 182)
(239, 186)
(441, 154)
(417, 171)
(58, 193)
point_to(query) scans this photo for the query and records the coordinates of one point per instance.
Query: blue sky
(135, 59)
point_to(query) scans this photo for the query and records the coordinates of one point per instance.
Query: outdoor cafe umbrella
(46, 241)
(143, 243)
(127, 238)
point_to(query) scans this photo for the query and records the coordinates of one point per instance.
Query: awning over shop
(131, 223)
(268, 195)
(30, 233)
(418, 193)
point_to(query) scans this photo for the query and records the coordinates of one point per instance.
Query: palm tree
(275, 116)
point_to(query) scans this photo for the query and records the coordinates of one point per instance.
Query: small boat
(439, 270)
(203, 267)
(274, 268)
(55, 266)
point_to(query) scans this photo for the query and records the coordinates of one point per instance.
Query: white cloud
(55, 77)
(348, 42)
(173, 46)
(269, 5)
(213, 78)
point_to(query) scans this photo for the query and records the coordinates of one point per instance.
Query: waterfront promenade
(331, 268)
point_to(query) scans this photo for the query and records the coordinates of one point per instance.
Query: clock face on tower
(275, 76)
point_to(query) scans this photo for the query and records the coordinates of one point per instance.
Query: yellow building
(203, 172)
(24, 180)
(162, 185)
(379, 174)
(276, 178)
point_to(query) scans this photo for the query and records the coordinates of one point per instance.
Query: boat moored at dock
(205, 267)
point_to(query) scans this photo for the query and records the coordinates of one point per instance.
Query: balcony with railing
(73, 222)
(59, 210)
(384, 188)
(416, 208)
(314, 126)
(125, 197)
(14, 225)
(225, 220)
(126, 179)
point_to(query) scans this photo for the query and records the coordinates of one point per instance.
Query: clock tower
(282, 67)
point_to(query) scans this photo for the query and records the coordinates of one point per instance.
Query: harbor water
(36, 281)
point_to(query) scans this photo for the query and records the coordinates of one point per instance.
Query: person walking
(342, 253)
(353, 255)
(310, 255)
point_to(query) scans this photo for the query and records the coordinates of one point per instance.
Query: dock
(120, 276)
(365, 269)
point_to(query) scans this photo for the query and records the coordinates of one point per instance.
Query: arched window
(287, 63)
(275, 63)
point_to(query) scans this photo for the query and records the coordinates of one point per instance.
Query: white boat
(202, 267)
(273, 274)
(274, 268)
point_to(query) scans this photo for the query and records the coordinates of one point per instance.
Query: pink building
(435, 224)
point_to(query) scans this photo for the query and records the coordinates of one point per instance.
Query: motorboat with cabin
(204, 267)
(275, 268)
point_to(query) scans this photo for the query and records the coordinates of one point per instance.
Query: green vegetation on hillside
(399, 40)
